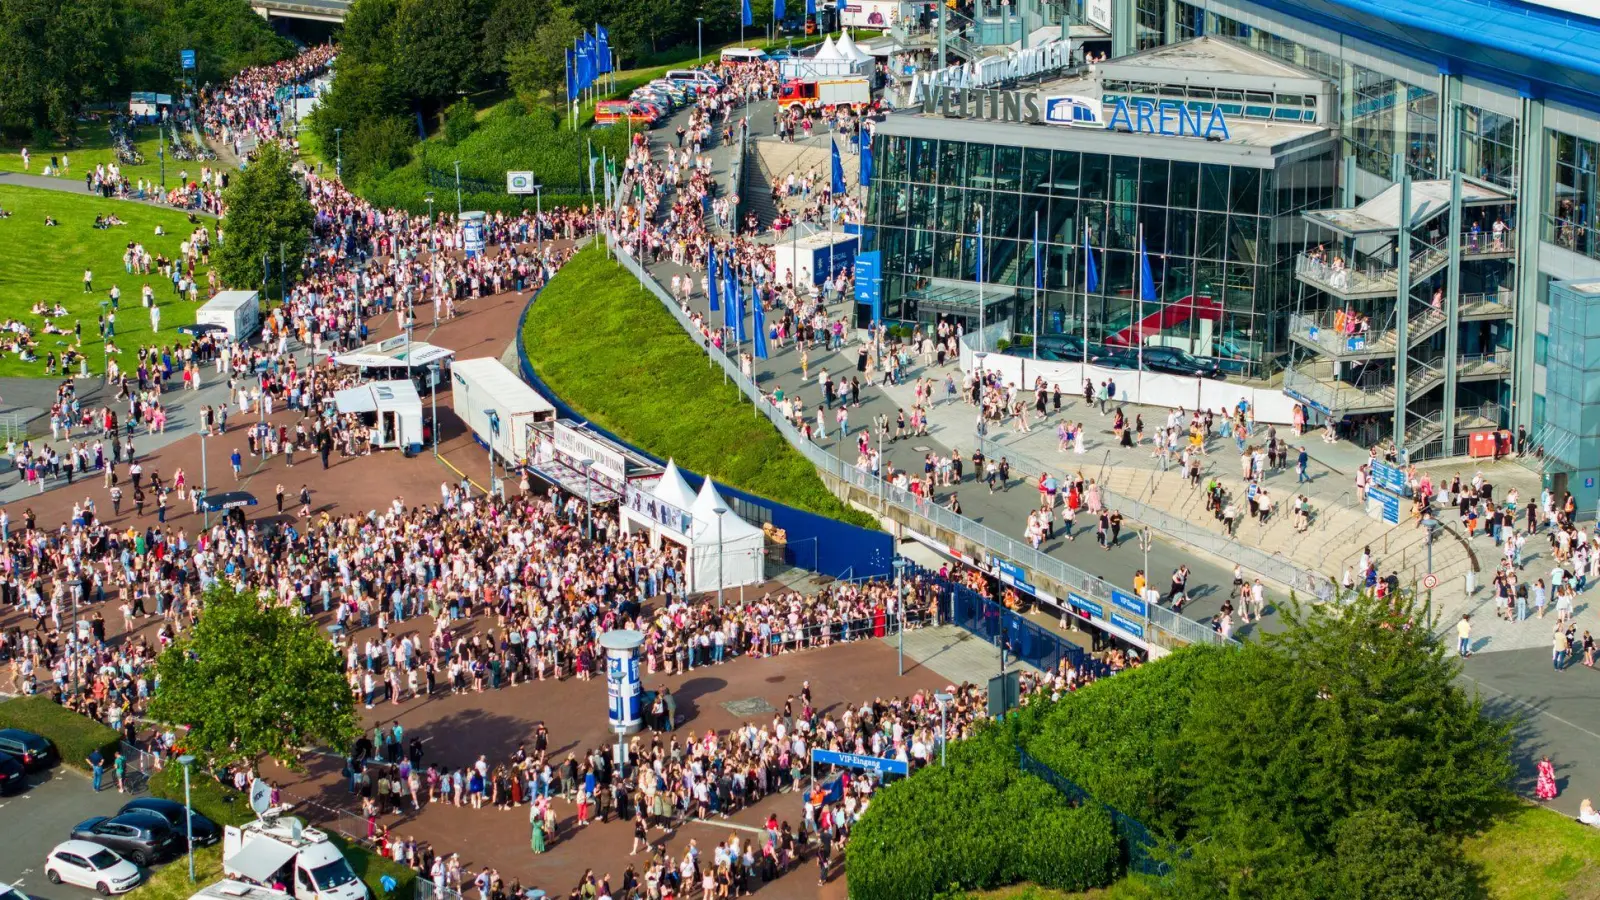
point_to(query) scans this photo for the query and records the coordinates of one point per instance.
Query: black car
(1173, 361)
(206, 831)
(141, 838)
(34, 751)
(13, 775)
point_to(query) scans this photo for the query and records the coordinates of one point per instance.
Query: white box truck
(239, 312)
(498, 406)
(281, 850)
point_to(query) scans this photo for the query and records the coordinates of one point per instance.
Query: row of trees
(402, 62)
(1337, 759)
(59, 56)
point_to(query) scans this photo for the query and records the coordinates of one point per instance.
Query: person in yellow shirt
(1139, 583)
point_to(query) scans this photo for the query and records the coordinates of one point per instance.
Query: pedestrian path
(70, 185)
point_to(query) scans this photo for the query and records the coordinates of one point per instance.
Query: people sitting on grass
(50, 221)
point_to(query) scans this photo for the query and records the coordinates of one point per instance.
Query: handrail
(1177, 629)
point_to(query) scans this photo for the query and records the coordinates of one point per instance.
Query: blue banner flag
(1091, 274)
(713, 281)
(867, 160)
(754, 301)
(838, 171)
(760, 322)
(778, 10)
(730, 289)
(1147, 286)
(572, 80)
(603, 46)
(811, 7)
(747, 20)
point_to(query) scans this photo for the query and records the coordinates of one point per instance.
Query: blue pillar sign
(186, 58)
(624, 687)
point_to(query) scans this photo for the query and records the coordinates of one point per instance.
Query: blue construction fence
(815, 542)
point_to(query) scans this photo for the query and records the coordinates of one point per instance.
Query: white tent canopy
(847, 48)
(731, 558)
(672, 489)
(829, 50)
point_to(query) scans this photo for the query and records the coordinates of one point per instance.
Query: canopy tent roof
(829, 50)
(260, 859)
(734, 528)
(672, 489)
(847, 48)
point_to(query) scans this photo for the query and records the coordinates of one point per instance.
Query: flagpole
(1036, 285)
(1139, 280)
(982, 342)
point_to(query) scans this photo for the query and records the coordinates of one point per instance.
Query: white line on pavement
(1520, 702)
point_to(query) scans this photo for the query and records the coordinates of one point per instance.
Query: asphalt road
(41, 817)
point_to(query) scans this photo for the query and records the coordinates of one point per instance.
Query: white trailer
(498, 406)
(238, 312)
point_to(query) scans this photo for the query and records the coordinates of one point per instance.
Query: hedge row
(75, 736)
(225, 806)
(977, 823)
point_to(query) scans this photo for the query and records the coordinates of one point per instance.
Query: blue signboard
(1390, 478)
(869, 282)
(1383, 505)
(1127, 624)
(1129, 602)
(1296, 395)
(877, 765)
(1358, 342)
(186, 57)
(1012, 574)
(1086, 606)
(624, 690)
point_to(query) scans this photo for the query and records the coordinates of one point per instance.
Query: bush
(976, 824)
(75, 736)
(459, 121)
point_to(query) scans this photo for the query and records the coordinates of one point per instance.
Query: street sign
(519, 182)
(1430, 581)
(877, 765)
(186, 57)
(1390, 478)
(1383, 505)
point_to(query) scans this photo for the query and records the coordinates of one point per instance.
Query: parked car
(1173, 361)
(7, 892)
(13, 777)
(141, 838)
(171, 812)
(91, 866)
(34, 751)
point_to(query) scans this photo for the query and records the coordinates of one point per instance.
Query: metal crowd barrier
(1178, 629)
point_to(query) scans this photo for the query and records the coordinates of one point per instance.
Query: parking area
(39, 818)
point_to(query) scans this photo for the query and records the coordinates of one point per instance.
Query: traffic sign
(1430, 581)
(186, 59)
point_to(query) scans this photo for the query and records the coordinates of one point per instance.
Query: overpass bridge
(312, 10)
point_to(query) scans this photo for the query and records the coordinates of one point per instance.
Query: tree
(252, 679)
(512, 23)
(268, 220)
(1382, 855)
(539, 67)
(56, 56)
(441, 43)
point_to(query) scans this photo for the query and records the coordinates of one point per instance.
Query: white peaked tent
(738, 555)
(828, 51)
(847, 48)
(673, 489)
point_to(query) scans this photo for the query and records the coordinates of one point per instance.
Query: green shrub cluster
(974, 824)
(75, 736)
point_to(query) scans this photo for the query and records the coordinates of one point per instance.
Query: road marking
(734, 825)
(1520, 702)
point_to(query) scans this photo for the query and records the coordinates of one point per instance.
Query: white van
(694, 78)
(742, 55)
(282, 850)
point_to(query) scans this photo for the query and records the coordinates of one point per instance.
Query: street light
(428, 199)
(1146, 538)
(699, 44)
(588, 498)
(943, 700)
(538, 219)
(186, 761)
(720, 511)
(900, 607)
(338, 152)
(458, 188)
(433, 398)
(978, 426)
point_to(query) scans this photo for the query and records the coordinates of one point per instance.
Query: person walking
(97, 766)
(1464, 636)
(1302, 465)
(1545, 788)
(536, 826)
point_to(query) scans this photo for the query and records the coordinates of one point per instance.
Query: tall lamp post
(538, 220)
(943, 700)
(900, 607)
(428, 199)
(458, 188)
(433, 398)
(338, 152)
(720, 511)
(1146, 538)
(699, 42)
(978, 427)
(186, 761)
(588, 498)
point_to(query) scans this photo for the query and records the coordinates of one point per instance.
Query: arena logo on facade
(1029, 108)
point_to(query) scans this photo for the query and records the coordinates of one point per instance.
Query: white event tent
(672, 511)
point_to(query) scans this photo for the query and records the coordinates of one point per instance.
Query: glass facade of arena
(1216, 237)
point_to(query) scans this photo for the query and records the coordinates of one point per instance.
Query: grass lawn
(1532, 853)
(607, 347)
(171, 881)
(93, 147)
(39, 263)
